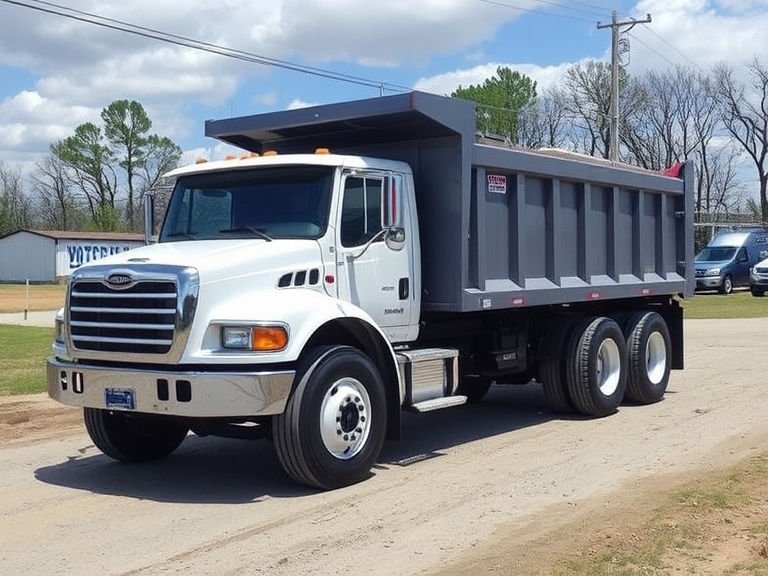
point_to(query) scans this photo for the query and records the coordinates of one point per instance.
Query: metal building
(51, 255)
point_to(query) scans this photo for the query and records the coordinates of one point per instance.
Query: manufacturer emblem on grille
(118, 281)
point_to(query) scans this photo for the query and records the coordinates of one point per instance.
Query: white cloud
(79, 68)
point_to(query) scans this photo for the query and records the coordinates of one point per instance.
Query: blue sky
(56, 73)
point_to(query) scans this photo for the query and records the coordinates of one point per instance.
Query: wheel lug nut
(346, 437)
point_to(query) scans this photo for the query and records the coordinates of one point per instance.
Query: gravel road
(460, 478)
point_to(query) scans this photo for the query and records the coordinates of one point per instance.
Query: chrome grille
(140, 319)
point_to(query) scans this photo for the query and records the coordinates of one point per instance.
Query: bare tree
(744, 112)
(541, 123)
(15, 206)
(57, 203)
(586, 97)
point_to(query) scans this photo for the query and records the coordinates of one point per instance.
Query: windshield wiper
(253, 231)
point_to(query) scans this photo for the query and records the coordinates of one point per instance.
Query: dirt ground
(14, 297)
(677, 488)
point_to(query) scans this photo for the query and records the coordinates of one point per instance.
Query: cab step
(438, 404)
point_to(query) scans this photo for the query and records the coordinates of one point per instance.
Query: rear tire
(333, 426)
(552, 372)
(133, 438)
(650, 357)
(596, 366)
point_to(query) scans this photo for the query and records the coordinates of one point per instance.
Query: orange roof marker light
(248, 155)
(230, 157)
(270, 153)
(201, 161)
(322, 151)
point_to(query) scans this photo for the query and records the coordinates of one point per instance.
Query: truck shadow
(226, 471)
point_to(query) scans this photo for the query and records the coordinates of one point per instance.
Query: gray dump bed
(503, 227)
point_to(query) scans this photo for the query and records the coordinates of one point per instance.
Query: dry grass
(13, 297)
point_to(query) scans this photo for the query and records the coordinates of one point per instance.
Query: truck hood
(710, 265)
(224, 259)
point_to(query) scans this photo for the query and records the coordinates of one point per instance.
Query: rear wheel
(596, 366)
(552, 373)
(133, 438)
(334, 423)
(650, 352)
(727, 286)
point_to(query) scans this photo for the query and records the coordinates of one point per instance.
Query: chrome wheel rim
(345, 418)
(655, 358)
(608, 367)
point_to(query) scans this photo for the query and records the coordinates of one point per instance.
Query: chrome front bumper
(176, 393)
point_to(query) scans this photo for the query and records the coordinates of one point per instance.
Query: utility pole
(615, 26)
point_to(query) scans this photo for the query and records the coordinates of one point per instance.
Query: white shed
(51, 255)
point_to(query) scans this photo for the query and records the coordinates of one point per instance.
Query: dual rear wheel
(593, 364)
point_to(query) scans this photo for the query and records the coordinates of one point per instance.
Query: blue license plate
(120, 398)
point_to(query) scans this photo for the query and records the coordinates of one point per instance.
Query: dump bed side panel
(547, 230)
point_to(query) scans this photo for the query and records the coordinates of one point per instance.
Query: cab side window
(360, 210)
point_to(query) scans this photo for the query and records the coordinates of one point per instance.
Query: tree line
(710, 116)
(92, 180)
(95, 178)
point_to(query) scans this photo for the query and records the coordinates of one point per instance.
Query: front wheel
(757, 292)
(133, 438)
(727, 286)
(333, 426)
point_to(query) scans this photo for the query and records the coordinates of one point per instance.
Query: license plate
(120, 398)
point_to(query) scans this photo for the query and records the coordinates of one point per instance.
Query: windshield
(716, 254)
(267, 203)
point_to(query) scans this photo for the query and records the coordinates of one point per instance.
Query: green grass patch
(739, 304)
(24, 350)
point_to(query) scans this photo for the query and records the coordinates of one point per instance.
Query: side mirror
(149, 218)
(393, 204)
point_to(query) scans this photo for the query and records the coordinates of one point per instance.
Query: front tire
(757, 292)
(596, 366)
(133, 438)
(727, 286)
(650, 352)
(333, 426)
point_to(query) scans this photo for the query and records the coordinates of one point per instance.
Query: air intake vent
(299, 278)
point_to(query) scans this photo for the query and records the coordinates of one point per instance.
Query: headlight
(267, 338)
(713, 272)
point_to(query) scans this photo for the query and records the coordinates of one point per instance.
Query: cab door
(371, 274)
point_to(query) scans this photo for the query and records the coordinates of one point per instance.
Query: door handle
(403, 289)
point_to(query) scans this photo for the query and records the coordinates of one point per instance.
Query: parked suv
(758, 278)
(727, 260)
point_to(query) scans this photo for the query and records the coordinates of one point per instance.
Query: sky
(57, 72)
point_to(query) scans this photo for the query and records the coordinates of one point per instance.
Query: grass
(24, 349)
(739, 304)
(691, 526)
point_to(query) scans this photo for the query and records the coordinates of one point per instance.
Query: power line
(533, 11)
(671, 46)
(186, 42)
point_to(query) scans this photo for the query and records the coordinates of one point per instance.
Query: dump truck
(366, 258)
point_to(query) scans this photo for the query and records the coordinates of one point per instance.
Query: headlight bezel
(257, 337)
